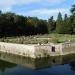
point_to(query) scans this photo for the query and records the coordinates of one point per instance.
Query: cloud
(10, 3)
(37, 1)
(48, 11)
(56, 1)
(7, 9)
(45, 13)
(6, 3)
(20, 2)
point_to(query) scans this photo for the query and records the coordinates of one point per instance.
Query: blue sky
(43, 9)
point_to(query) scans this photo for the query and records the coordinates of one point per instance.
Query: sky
(42, 9)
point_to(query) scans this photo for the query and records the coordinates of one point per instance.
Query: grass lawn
(55, 38)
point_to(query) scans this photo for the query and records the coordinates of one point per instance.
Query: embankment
(38, 51)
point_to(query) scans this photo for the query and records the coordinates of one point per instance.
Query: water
(17, 65)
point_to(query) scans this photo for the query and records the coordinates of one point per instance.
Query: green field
(42, 39)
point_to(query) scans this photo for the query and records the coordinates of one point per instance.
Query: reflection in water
(4, 65)
(31, 63)
(72, 65)
(68, 58)
(35, 63)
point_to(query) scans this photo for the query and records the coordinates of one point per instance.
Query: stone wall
(33, 51)
(46, 50)
(38, 51)
(63, 49)
(18, 49)
(68, 48)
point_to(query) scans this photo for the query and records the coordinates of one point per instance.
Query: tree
(73, 17)
(73, 9)
(67, 25)
(0, 12)
(59, 23)
(42, 27)
(51, 24)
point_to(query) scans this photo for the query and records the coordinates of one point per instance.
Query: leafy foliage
(12, 24)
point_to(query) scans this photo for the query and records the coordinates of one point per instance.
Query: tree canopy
(12, 24)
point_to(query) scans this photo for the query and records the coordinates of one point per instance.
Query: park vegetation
(25, 28)
(12, 24)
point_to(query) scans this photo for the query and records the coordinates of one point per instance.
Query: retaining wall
(68, 48)
(37, 51)
(18, 49)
